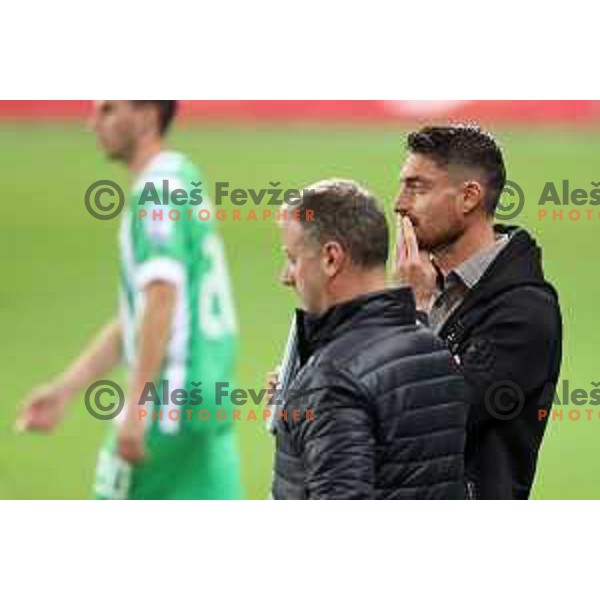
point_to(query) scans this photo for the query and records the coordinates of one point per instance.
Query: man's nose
(286, 276)
(403, 202)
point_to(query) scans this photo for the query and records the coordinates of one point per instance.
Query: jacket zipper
(471, 491)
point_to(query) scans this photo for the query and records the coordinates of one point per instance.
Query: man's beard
(121, 154)
(439, 242)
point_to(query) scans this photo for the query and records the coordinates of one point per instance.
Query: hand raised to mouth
(413, 266)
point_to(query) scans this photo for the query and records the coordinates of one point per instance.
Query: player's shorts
(188, 465)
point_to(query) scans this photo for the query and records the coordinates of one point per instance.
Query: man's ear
(473, 196)
(333, 256)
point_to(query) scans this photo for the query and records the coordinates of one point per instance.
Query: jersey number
(217, 313)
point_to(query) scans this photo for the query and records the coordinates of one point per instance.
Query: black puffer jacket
(388, 407)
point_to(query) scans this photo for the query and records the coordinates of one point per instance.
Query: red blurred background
(482, 111)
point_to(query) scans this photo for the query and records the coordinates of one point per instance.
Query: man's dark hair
(166, 111)
(346, 213)
(467, 146)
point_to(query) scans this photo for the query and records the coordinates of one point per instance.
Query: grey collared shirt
(459, 281)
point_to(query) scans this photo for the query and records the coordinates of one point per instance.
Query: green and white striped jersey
(187, 252)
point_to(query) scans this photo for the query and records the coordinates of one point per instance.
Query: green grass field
(59, 275)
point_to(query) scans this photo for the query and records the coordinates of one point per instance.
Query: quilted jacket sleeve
(338, 442)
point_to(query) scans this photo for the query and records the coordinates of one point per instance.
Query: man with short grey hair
(377, 407)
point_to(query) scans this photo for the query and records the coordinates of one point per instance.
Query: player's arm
(160, 298)
(44, 408)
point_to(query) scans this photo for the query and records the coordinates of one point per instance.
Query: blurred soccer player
(484, 293)
(176, 324)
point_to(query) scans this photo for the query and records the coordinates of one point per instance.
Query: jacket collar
(517, 264)
(394, 306)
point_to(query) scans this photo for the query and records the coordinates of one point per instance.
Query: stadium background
(59, 266)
